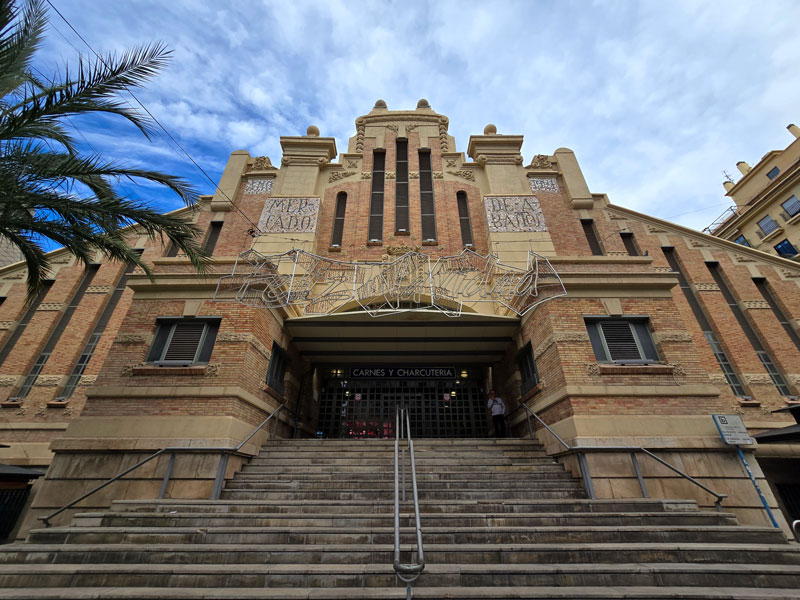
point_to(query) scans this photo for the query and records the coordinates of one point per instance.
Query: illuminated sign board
(403, 373)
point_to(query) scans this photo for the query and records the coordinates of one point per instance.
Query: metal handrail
(580, 452)
(172, 450)
(406, 572)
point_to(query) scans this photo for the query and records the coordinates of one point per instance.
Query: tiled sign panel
(514, 213)
(289, 215)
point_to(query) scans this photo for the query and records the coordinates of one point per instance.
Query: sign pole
(734, 433)
(755, 485)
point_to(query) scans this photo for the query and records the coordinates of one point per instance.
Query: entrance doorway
(360, 408)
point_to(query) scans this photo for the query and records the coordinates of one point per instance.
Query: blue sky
(655, 98)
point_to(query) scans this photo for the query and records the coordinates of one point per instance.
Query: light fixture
(464, 374)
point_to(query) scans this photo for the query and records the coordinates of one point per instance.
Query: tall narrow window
(26, 318)
(725, 365)
(277, 368)
(463, 219)
(63, 322)
(591, 237)
(401, 218)
(527, 368)
(172, 251)
(750, 333)
(213, 235)
(375, 233)
(426, 197)
(97, 333)
(630, 243)
(338, 220)
(766, 292)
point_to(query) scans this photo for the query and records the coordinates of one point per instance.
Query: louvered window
(621, 340)
(463, 219)
(214, 230)
(591, 237)
(527, 368)
(338, 220)
(375, 233)
(181, 342)
(427, 209)
(401, 188)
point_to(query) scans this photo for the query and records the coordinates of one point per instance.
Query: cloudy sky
(655, 98)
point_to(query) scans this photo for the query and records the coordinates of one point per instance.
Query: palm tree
(48, 189)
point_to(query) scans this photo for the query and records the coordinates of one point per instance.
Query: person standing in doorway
(498, 410)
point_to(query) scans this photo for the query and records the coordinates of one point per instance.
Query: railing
(581, 451)
(727, 214)
(219, 480)
(406, 572)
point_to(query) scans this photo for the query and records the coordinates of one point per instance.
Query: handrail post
(638, 471)
(167, 474)
(586, 475)
(219, 480)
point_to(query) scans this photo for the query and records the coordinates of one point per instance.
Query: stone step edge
(399, 593)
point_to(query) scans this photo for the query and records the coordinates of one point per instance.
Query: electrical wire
(254, 228)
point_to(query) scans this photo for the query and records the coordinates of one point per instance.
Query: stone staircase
(314, 520)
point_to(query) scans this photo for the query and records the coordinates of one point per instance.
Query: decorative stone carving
(352, 164)
(366, 175)
(360, 134)
(452, 163)
(757, 378)
(393, 127)
(130, 338)
(22, 411)
(754, 304)
(543, 184)
(443, 142)
(286, 160)
(413, 175)
(616, 253)
(87, 380)
(790, 273)
(9, 380)
(47, 381)
(593, 369)
(289, 215)
(671, 337)
(463, 173)
(514, 213)
(41, 410)
(261, 163)
(389, 175)
(64, 259)
(337, 175)
(794, 378)
(706, 287)
(655, 229)
(717, 378)
(244, 337)
(612, 216)
(259, 186)
(127, 370)
(6, 324)
(438, 175)
(678, 369)
(402, 249)
(560, 337)
(98, 289)
(17, 275)
(212, 370)
(50, 306)
(743, 258)
(662, 269)
(411, 127)
(541, 161)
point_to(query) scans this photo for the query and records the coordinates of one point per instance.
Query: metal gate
(366, 408)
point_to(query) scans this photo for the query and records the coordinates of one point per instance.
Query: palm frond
(19, 42)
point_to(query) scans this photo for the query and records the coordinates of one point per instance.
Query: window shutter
(185, 341)
(620, 340)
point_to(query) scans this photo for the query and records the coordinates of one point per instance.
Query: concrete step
(381, 575)
(527, 505)
(326, 475)
(205, 519)
(385, 535)
(555, 481)
(421, 461)
(565, 490)
(485, 554)
(272, 467)
(421, 442)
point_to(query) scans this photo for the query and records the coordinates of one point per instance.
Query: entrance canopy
(402, 338)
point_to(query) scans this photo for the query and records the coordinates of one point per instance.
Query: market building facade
(404, 272)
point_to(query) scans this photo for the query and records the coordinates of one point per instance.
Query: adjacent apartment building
(766, 211)
(406, 271)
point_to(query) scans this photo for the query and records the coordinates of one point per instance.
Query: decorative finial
(490, 129)
(380, 104)
(312, 131)
(423, 103)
